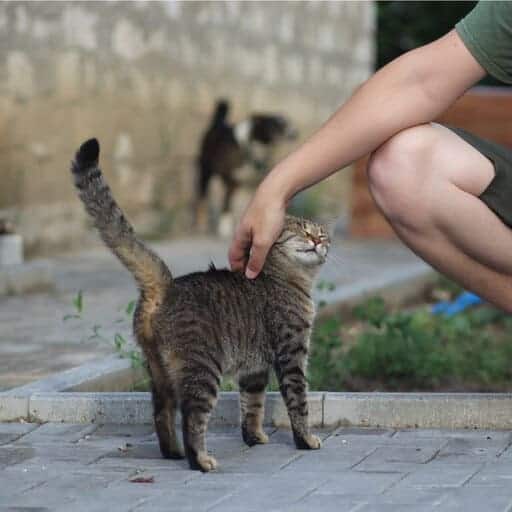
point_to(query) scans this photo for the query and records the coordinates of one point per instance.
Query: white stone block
(11, 249)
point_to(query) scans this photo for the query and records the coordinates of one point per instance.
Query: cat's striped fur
(198, 327)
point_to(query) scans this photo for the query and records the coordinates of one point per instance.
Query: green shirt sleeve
(487, 33)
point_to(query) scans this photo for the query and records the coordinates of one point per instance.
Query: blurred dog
(226, 149)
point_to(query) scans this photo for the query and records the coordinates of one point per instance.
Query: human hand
(258, 229)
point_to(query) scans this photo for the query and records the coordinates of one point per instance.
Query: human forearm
(414, 89)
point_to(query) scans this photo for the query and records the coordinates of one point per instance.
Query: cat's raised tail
(150, 272)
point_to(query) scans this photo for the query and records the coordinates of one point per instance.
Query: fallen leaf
(142, 480)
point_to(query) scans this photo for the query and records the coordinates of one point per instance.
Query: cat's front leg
(199, 391)
(252, 403)
(290, 368)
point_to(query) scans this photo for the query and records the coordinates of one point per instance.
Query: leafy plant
(323, 285)
(120, 343)
(325, 371)
(130, 308)
(78, 305)
(414, 350)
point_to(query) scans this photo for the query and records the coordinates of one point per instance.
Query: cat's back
(216, 294)
(221, 288)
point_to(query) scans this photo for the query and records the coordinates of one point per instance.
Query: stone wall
(143, 78)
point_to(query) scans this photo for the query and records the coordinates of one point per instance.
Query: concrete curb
(396, 287)
(392, 410)
(98, 373)
(136, 408)
(419, 410)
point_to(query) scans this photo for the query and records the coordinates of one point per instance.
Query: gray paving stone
(393, 507)
(461, 449)
(14, 483)
(400, 455)
(134, 464)
(35, 498)
(352, 482)
(285, 436)
(259, 459)
(69, 475)
(368, 433)
(266, 493)
(440, 475)
(24, 509)
(424, 443)
(217, 479)
(474, 500)
(329, 459)
(394, 454)
(381, 466)
(497, 473)
(56, 453)
(119, 430)
(10, 455)
(57, 433)
(10, 432)
(413, 496)
(507, 453)
(323, 503)
(122, 496)
(64, 489)
(204, 499)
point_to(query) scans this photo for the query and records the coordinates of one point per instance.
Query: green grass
(413, 350)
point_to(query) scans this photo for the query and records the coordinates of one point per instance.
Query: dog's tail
(150, 272)
(220, 113)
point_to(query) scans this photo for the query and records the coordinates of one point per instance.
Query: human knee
(398, 172)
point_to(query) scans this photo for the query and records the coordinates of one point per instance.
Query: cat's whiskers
(334, 258)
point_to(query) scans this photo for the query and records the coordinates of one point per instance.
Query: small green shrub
(414, 351)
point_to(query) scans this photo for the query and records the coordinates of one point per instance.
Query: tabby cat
(198, 327)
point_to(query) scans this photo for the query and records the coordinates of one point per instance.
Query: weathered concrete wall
(143, 77)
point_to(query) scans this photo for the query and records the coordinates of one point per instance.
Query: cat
(196, 328)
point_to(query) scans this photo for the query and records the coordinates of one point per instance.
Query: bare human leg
(426, 180)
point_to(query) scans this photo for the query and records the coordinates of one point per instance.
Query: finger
(238, 251)
(259, 251)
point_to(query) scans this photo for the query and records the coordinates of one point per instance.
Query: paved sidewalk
(36, 341)
(62, 467)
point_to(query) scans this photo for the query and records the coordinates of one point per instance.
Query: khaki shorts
(498, 195)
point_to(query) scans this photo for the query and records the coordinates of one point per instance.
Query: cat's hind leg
(199, 392)
(252, 403)
(164, 415)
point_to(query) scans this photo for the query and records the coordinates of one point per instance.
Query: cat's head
(303, 242)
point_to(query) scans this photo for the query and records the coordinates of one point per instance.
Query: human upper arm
(446, 69)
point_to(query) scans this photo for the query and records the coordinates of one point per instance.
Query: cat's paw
(170, 449)
(206, 462)
(176, 454)
(252, 438)
(310, 442)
